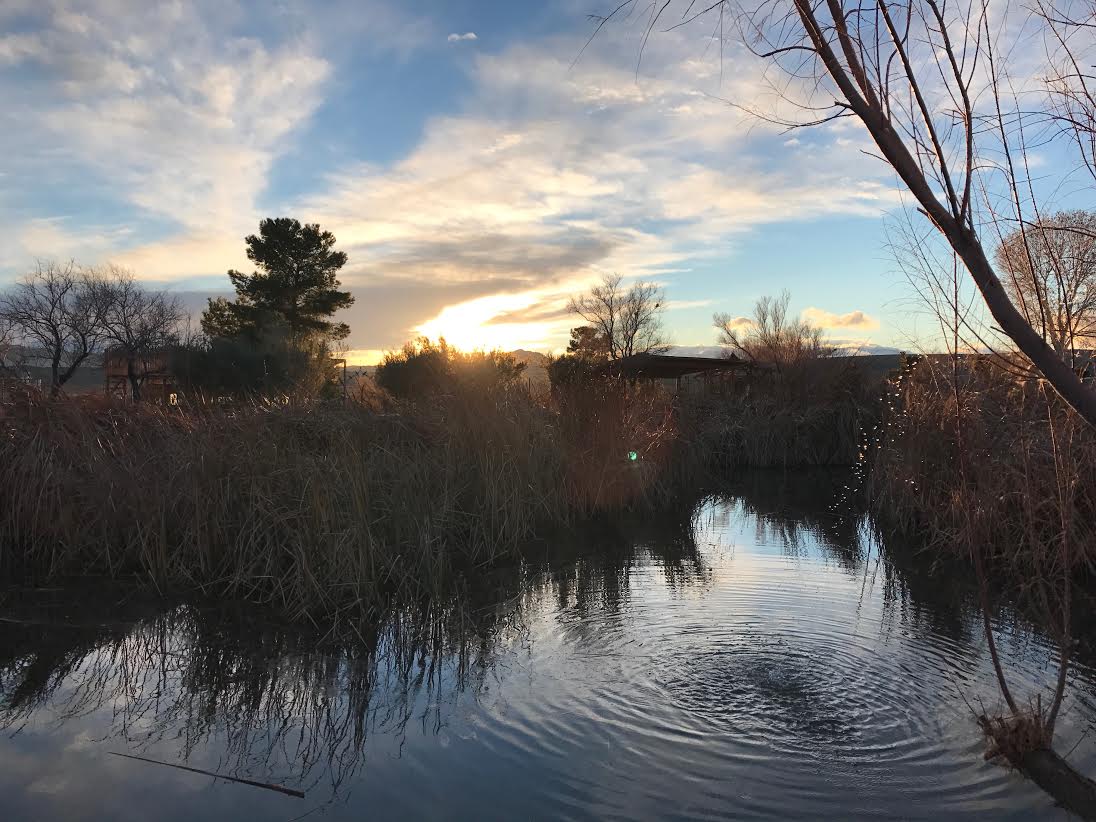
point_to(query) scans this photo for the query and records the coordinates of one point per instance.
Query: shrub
(254, 366)
(423, 368)
(570, 370)
(809, 413)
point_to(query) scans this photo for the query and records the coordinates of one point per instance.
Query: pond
(762, 658)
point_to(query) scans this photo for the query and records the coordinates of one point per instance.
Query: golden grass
(311, 508)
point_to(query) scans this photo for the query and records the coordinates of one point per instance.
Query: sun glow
(480, 324)
(363, 356)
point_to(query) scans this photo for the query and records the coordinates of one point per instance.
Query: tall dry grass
(812, 413)
(310, 508)
(987, 463)
(976, 455)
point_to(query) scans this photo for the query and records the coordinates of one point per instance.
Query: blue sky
(476, 182)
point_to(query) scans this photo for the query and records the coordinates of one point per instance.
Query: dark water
(765, 658)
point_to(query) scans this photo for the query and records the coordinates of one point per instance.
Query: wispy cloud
(553, 176)
(678, 305)
(182, 135)
(547, 177)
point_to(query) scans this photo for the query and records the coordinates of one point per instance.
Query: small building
(710, 373)
(152, 370)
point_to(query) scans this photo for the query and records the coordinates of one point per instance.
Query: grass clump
(810, 413)
(1012, 736)
(312, 508)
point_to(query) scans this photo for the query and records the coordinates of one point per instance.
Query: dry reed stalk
(311, 508)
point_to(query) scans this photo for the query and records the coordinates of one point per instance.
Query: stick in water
(278, 788)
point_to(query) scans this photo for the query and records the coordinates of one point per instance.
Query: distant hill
(843, 349)
(536, 365)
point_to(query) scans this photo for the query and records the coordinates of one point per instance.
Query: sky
(475, 161)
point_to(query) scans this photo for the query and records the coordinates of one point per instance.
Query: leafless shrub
(137, 322)
(8, 352)
(771, 337)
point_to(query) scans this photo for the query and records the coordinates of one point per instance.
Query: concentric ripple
(789, 671)
(789, 687)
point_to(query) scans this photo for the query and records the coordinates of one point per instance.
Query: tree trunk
(863, 102)
(1057, 777)
(1056, 370)
(134, 382)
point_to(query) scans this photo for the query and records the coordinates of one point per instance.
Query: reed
(809, 414)
(977, 456)
(986, 463)
(311, 508)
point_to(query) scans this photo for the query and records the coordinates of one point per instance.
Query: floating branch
(278, 788)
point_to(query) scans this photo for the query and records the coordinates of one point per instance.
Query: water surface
(762, 657)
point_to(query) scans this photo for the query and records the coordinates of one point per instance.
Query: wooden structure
(153, 372)
(713, 371)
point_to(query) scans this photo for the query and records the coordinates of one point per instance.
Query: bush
(807, 414)
(571, 370)
(422, 369)
(246, 367)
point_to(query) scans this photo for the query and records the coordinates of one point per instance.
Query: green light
(633, 455)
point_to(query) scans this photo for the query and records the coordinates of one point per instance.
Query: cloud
(53, 238)
(545, 178)
(678, 305)
(168, 118)
(552, 176)
(740, 322)
(456, 38)
(157, 111)
(15, 48)
(483, 323)
(857, 320)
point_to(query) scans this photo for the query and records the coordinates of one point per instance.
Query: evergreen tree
(588, 344)
(295, 287)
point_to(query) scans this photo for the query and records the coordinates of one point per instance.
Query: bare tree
(931, 84)
(7, 345)
(137, 323)
(1069, 80)
(1049, 271)
(628, 320)
(950, 96)
(770, 336)
(59, 309)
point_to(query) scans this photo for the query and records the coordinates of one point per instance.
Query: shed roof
(664, 366)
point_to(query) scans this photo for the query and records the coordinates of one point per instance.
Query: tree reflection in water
(292, 702)
(295, 705)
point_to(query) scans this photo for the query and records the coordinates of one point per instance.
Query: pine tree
(295, 287)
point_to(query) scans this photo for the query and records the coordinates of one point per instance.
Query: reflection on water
(765, 658)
